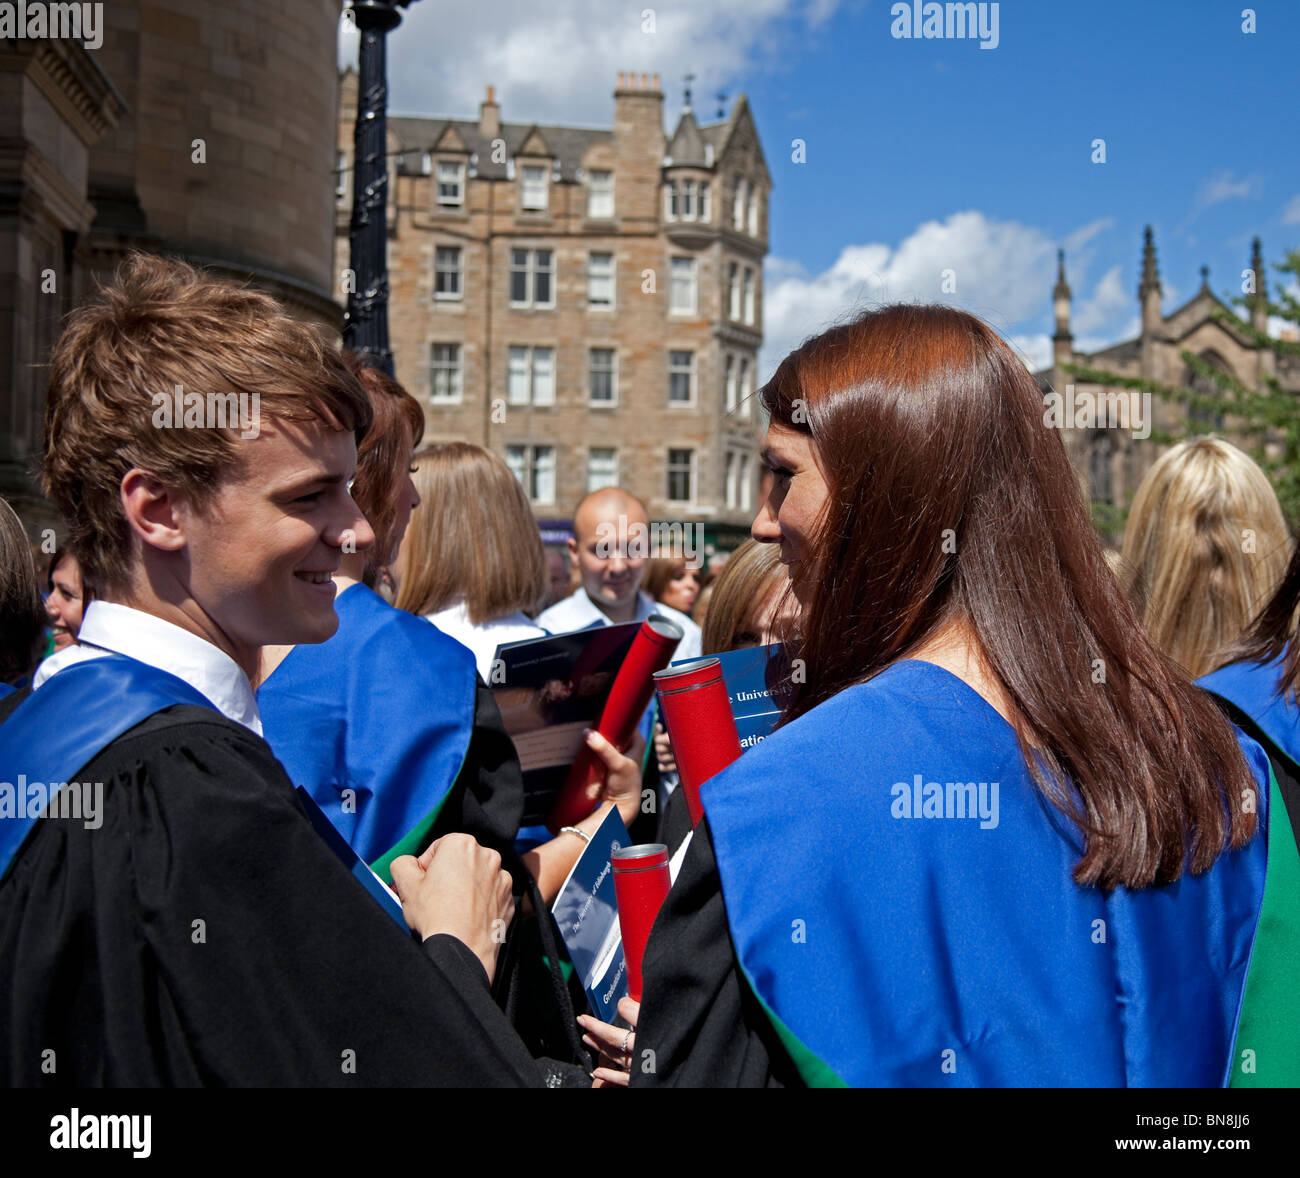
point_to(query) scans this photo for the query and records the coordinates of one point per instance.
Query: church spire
(1061, 298)
(1259, 301)
(1149, 291)
(1150, 271)
(1062, 341)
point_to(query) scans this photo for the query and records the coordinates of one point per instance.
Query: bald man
(609, 548)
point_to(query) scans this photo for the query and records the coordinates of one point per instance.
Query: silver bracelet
(586, 838)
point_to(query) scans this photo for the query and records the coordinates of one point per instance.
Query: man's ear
(153, 510)
(572, 546)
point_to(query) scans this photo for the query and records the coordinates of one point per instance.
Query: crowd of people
(1027, 816)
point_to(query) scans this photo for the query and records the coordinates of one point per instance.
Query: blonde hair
(1204, 548)
(473, 536)
(750, 576)
(160, 326)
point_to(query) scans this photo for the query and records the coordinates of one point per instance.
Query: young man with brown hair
(181, 923)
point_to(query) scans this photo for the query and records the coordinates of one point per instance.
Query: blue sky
(933, 154)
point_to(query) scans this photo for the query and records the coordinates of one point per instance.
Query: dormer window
(451, 183)
(533, 192)
(426, 163)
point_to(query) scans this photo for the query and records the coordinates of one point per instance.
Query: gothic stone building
(587, 303)
(1112, 461)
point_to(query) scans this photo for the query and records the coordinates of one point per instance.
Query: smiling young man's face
(262, 551)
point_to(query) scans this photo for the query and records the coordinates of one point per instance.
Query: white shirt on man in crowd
(579, 612)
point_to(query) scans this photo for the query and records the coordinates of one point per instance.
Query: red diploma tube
(697, 713)
(651, 650)
(641, 881)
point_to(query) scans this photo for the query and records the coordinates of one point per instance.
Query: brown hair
(1273, 633)
(751, 575)
(22, 618)
(950, 500)
(396, 427)
(659, 571)
(1204, 548)
(160, 326)
(473, 536)
(61, 553)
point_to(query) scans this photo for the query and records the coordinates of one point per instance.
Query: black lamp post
(365, 323)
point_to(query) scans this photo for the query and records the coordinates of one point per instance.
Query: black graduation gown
(205, 935)
(699, 1019)
(487, 801)
(675, 821)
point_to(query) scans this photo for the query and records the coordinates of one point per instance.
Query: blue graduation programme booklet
(746, 673)
(587, 915)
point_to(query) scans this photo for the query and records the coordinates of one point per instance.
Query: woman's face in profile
(681, 592)
(64, 605)
(789, 514)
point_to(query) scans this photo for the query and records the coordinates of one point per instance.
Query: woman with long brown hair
(948, 864)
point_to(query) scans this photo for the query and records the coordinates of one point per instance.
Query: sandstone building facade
(587, 303)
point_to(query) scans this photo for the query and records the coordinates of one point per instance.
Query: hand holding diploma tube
(653, 649)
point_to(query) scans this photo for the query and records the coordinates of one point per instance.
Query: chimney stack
(489, 116)
(638, 145)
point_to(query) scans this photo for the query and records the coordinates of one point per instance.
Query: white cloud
(558, 62)
(1003, 271)
(1084, 234)
(1100, 310)
(1034, 350)
(1223, 186)
(1291, 214)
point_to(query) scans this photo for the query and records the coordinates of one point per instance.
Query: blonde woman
(472, 560)
(1204, 548)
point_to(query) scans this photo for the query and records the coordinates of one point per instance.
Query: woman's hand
(622, 784)
(616, 1045)
(664, 750)
(619, 784)
(457, 887)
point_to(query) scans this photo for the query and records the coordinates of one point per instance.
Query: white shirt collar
(111, 628)
(591, 612)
